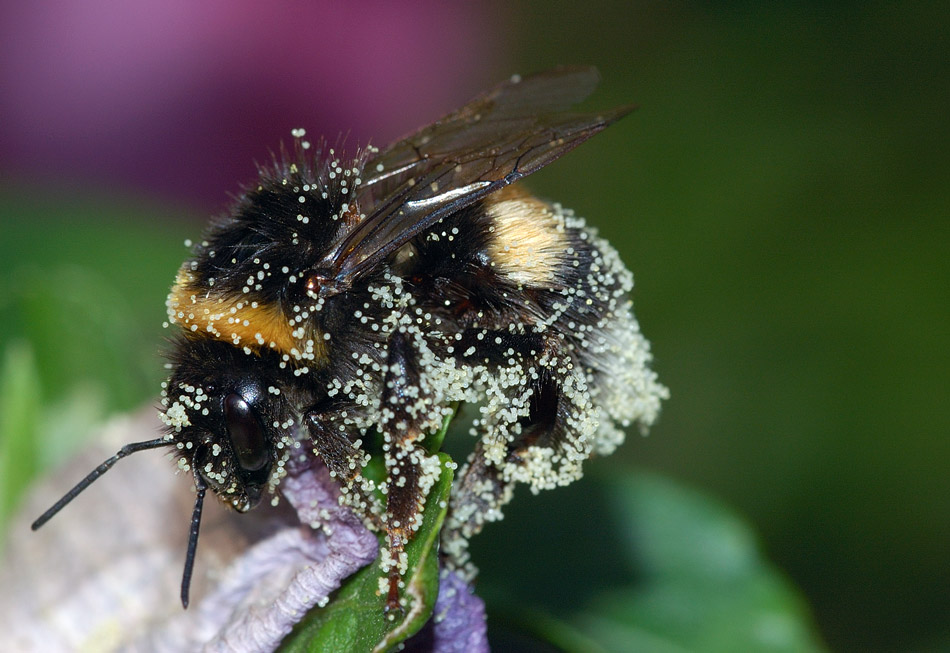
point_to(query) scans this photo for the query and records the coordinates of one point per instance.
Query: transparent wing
(498, 138)
(512, 106)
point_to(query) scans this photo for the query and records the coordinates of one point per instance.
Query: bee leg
(408, 411)
(345, 461)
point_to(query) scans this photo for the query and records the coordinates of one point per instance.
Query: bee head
(230, 450)
(231, 424)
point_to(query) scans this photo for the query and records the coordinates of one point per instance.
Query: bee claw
(393, 605)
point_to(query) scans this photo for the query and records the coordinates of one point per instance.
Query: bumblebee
(346, 297)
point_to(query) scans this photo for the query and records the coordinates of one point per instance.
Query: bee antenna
(96, 473)
(192, 540)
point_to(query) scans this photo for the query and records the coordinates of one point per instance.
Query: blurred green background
(783, 198)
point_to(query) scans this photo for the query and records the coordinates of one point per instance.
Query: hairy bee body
(510, 304)
(341, 298)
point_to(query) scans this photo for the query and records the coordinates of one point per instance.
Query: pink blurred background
(177, 100)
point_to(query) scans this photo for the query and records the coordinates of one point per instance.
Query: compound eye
(247, 435)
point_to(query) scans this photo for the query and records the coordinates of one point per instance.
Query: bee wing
(496, 139)
(474, 125)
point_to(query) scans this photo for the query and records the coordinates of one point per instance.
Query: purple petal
(458, 621)
(459, 617)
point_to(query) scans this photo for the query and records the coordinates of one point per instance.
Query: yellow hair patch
(239, 320)
(528, 238)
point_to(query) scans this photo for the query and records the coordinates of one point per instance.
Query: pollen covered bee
(343, 298)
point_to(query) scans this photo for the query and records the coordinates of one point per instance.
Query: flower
(104, 574)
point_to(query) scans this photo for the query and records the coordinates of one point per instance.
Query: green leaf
(19, 420)
(433, 442)
(635, 562)
(355, 620)
(703, 584)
